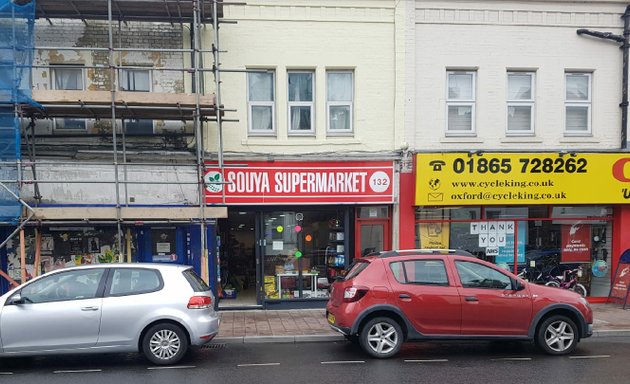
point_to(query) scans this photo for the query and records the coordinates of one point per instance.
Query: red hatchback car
(390, 297)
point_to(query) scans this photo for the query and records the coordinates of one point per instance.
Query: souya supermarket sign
(300, 182)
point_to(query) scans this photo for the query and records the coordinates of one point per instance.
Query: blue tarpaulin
(16, 58)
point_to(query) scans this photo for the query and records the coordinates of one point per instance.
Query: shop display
(335, 252)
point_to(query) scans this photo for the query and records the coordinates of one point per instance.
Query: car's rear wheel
(354, 339)
(557, 335)
(165, 344)
(381, 337)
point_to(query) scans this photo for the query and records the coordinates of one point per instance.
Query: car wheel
(164, 344)
(381, 337)
(557, 335)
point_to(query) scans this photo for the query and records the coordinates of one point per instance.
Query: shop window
(506, 212)
(373, 212)
(164, 244)
(303, 250)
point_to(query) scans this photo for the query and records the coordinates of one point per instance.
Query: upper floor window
(340, 89)
(68, 79)
(520, 103)
(578, 103)
(301, 102)
(460, 103)
(136, 80)
(261, 95)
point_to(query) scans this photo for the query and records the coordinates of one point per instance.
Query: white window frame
(251, 104)
(521, 103)
(310, 104)
(462, 102)
(579, 103)
(348, 103)
(53, 79)
(123, 76)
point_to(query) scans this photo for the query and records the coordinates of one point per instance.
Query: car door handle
(89, 308)
(404, 296)
(471, 298)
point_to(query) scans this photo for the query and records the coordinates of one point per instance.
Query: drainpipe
(625, 45)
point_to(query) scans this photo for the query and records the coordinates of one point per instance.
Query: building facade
(310, 158)
(525, 115)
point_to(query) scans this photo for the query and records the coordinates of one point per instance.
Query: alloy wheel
(559, 336)
(382, 338)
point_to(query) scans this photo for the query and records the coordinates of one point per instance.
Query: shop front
(543, 212)
(292, 227)
(47, 245)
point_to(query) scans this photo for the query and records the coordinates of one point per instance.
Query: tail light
(354, 293)
(199, 302)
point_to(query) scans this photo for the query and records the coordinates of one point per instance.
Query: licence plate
(331, 318)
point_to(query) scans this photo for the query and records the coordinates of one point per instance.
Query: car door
(131, 300)
(489, 304)
(59, 311)
(423, 292)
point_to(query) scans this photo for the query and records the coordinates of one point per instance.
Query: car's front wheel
(381, 337)
(165, 344)
(557, 335)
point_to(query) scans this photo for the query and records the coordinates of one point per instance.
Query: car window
(132, 281)
(357, 267)
(474, 275)
(428, 272)
(196, 282)
(70, 285)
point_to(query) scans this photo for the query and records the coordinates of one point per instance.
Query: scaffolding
(184, 150)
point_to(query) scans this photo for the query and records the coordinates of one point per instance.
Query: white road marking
(6, 373)
(427, 361)
(257, 365)
(79, 371)
(174, 367)
(590, 357)
(344, 362)
(513, 359)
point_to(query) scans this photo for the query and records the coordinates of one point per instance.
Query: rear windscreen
(197, 284)
(356, 268)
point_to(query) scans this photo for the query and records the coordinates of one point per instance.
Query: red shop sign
(285, 182)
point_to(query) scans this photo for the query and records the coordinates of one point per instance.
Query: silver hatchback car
(156, 309)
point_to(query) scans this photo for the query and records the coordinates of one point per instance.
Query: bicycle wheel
(579, 288)
(553, 283)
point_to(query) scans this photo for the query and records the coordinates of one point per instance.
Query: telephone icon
(437, 165)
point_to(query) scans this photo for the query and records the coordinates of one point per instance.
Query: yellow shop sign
(522, 178)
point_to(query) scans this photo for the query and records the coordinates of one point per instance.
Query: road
(597, 360)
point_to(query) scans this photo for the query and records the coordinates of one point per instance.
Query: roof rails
(435, 251)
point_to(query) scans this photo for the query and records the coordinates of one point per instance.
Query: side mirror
(518, 285)
(16, 299)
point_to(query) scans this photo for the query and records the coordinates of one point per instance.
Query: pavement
(307, 325)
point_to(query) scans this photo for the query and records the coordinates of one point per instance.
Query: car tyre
(354, 339)
(557, 335)
(165, 344)
(381, 337)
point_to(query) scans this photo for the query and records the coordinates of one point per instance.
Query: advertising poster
(576, 243)
(621, 283)
(506, 253)
(434, 235)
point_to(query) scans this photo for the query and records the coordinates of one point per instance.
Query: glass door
(280, 254)
(373, 228)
